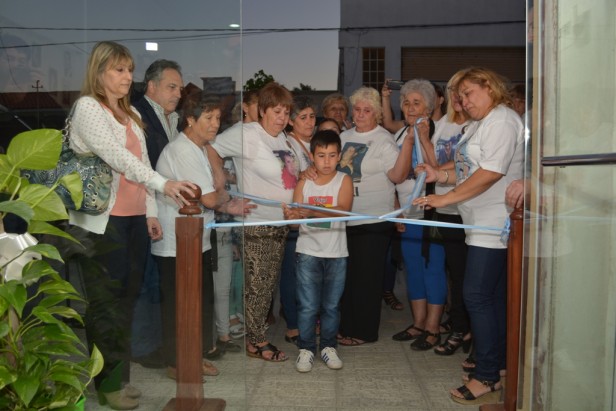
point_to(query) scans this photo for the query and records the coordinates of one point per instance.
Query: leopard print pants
(263, 252)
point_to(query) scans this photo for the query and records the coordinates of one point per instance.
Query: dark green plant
(258, 80)
(43, 363)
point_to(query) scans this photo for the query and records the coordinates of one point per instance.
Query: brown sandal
(277, 356)
(392, 301)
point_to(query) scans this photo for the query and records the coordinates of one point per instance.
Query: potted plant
(43, 363)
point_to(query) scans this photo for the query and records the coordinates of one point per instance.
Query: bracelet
(446, 177)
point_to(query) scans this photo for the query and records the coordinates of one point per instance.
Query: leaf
(66, 312)
(6, 376)
(46, 250)
(46, 203)
(36, 269)
(9, 175)
(26, 387)
(96, 362)
(49, 332)
(4, 329)
(41, 227)
(74, 185)
(53, 300)
(67, 378)
(57, 287)
(4, 305)
(17, 207)
(35, 149)
(43, 314)
(15, 294)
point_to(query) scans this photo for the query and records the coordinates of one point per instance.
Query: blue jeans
(288, 300)
(485, 296)
(320, 283)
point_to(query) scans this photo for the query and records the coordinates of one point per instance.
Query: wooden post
(515, 250)
(189, 321)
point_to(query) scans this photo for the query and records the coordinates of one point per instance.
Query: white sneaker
(329, 355)
(304, 360)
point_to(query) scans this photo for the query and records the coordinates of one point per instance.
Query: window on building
(440, 63)
(373, 72)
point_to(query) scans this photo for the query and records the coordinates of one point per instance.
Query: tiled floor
(386, 375)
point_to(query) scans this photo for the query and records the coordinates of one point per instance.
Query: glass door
(569, 360)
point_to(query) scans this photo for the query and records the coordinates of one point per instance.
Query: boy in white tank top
(321, 252)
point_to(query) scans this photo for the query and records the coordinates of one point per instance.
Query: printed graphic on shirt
(350, 162)
(462, 162)
(289, 168)
(446, 147)
(321, 201)
(229, 169)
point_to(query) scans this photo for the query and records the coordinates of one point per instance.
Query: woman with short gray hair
(374, 162)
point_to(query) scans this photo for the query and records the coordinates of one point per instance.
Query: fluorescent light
(234, 26)
(151, 46)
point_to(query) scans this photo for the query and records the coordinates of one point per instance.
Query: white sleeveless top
(326, 240)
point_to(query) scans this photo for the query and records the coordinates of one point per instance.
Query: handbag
(94, 172)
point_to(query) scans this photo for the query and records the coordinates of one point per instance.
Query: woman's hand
(239, 206)
(386, 91)
(174, 190)
(290, 213)
(516, 193)
(431, 172)
(423, 128)
(400, 227)
(309, 174)
(431, 201)
(155, 230)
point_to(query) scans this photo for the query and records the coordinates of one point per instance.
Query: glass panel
(44, 47)
(571, 263)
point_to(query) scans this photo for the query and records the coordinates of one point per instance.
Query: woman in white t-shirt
(375, 165)
(424, 259)
(299, 133)
(264, 152)
(488, 158)
(448, 133)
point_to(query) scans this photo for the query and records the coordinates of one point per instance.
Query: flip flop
(352, 342)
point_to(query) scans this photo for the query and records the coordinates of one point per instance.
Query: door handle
(579, 160)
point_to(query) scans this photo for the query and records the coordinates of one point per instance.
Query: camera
(395, 84)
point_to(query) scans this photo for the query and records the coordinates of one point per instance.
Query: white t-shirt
(270, 167)
(327, 240)
(182, 159)
(495, 143)
(233, 133)
(445, 140)
(405, 188)
(366, 158)
(302, 149)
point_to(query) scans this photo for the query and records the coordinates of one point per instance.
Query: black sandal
(406, 336)
(422, 344)
(470, 398)
(452, 343)
(278, 355)
(469, 360)
(392, 301)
